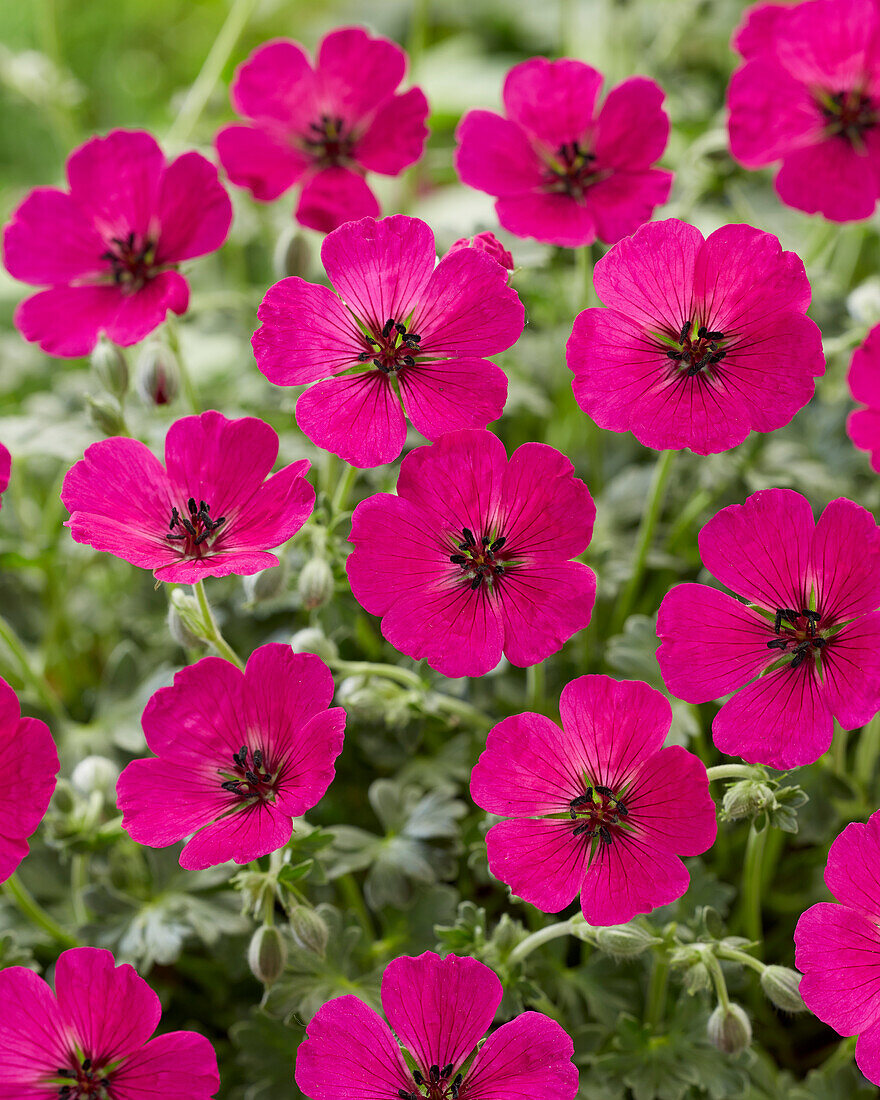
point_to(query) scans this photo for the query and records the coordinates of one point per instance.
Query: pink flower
(863, 425)
(238, 756)
(439, 1010)
(808, 95)
(838, 946)
(5, 471)
(561, 172)
(473, 555)
(326, 126)
(210, 511)
(702, 342)
(400, 319)
(110, 247)
(28, 766)
(91, 1037)
(807, 643)
(598, 807)
(485, 242)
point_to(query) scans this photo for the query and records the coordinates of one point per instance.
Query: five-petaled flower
(805, 649)
(5, 471)
(473, 555)
(324, 126)
(561, 172)
(109, 248)
(238, 756)
(439, 1010)
(702, 341)
(28, 766)
(210, 511)
(404, 328)
(863, 425)
(91, 1039)
(808, 95)
(598, 807)
(838, 946)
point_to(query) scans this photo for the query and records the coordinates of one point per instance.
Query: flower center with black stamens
(81, 1080)
(329, 142)
(597, 812)
(250, 775)
(849, 115)
(132, 259)
(696, 353)
(193, 528)
(572, 170)
(391, 348)
(478, 559)
(797, 634)
(439, 1085)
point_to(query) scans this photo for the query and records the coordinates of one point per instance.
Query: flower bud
(729, 1029)
(95, 773)
(110, 366)
(63, 800)
(697, 979)
(309, 929)
(747, 798)
(186, 624)
(486, 242)
(624, 941)
(157, 375)
(293, 256)
(315, 584)
(267, 954)
(314, 640)
(106, 415)
(863, 303)
(267, 584)
(781, 985)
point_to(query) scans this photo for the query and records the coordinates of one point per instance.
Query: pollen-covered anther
(392, 347)
(194, 527)
(478, 558)
(598, 810)
(248, 780)
(697, 352)
(798, 634)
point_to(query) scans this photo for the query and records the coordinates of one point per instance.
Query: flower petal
(180, 1065)
(846, 561)
(547, 512)
(115, 180)
(553, 100)
(539, 859)
(67, 320)
(832, 179)
(245, 834)
(851, 672)
(632, 875)
(357, 72)
(254, 159)
(529, 1056)
(771, 113)
(543, 604)
(625, 200)
(49, 240)
(33, 1036)
(334, 196)
(670, 803)
(139, 313)
(632, 128)
(275, 85)
(449, 394)
(549, 218)
(853, 871)
(276, 511)
(494, 155)
(356, 416)
(396, 136)
(194, 210)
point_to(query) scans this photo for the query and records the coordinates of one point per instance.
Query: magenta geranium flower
(324, 126)
(402, 329)
(702, 342)
(5, 471)
(210, 511)
(91, 1037)
(863, 425)
(238, 756)
(808, 95)
(562, 172)
(109, 247)
(485, 242)
(472, 558)
(804, 650)
(28, 766)
(598, 807)
(838, 946)
(439, 1010)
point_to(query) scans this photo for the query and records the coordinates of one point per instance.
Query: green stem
(79, 877)
(370, 668)
(717, 974)
(35, 913)
(460, 709)
(838, 750)
(343, 489)
(867, 751)
(40, 685)
(535, 682)
(735, 955)
(752, 882)
(214, 636)
(733, 771)
(655, 999)
(355, 901)
(544, 935)
(189, 390)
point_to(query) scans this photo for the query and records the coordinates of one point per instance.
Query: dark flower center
(391, 348)
(249, 776)
(849, 114)
(132, 260)
(797, 634)
(194, 528)
(572, 170)
(696, 352)
(478, 559)
(439, 1085)
(597, 812)
(329, 142)
(82, 1081)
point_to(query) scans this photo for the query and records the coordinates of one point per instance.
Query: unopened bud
(486, 242)
(697, 979)
(293, 256)
(747, 798)
(863, 303)
(108, 362)
(267, 954)
(781, 986)
(63, 799)
(729, 1029)
(315, 584)
(309, 929)
(157, 375)
(95, 773)
(313, 640)
(186, 623)
(624, 941)
(106, 415)
(265, 585)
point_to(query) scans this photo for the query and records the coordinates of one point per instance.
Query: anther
(604, 835)
(498, 543)
(447, 1070)
(469, 539)
(363, 356)
(458, 559)
(434, 1074)
(685, 331)
(701, 332)
(258, 758)
(387, 327)
(417, 1077)
(401, 328)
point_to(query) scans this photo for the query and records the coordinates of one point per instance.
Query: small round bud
(729, 1029)
(111, 368)
(265, 585)
(63, 800)
(157, 375)
(313, 640)
(697, 979)
(267, 954)
(95, 773)
(309, 929)
(106, 415)
(747, 798)
(863, 303)
(293, 256)
(781, 986)
(185, 621)
(315, 584)
(624, 941)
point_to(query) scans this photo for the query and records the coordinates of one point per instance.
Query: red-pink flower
(210, 511)
(563, 172)
(91, 1037)
(808, 95)
(804, 650)
(598, 807)
(863, 425)
(402, 329)
(324, 126)
(472, 558)
(5, 471)
(485, 242)
(439, 1010)
(838, 946)
(238, 756)
(702, 342)
(109, 247)
(28, 766)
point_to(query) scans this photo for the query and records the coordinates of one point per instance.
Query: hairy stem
(752, 882)
(215, 638)
(15, 889)
(544, 935)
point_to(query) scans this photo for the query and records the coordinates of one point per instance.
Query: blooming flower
(325, 126)
(28, 766)
(110, 247)
(238, 756)
(807, 95)
(598, 807)
(5, 471)
(91, 1038)
(702, 342)
(838, 946)
(210, 511)
(398, 319)
(439, 1009)
(472, 557)
(863, 425)
(561, 172)
(485, 242)
(807, 645)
